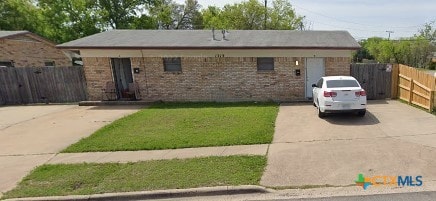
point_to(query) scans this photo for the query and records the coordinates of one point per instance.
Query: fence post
(395, 77)
(433, 103)
(432, 100)
(411, 91)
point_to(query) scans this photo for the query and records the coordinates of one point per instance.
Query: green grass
(184, 125)
(80, 179)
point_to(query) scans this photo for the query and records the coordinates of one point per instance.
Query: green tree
(171, 15)
(251, 15)
(363, 52)
(429, 32)
(120, 14)
(144, 22)
(66, 20)
(212, 18)
(19, 15)
(245, 15)
(283, 16)
(412, 51)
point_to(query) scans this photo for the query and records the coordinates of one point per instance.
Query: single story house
(26, 49)
(205, 65)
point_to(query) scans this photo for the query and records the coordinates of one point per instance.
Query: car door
(317, 88)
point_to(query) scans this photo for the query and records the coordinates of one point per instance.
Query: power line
(351, 22)
(348, 28)
(378, 32)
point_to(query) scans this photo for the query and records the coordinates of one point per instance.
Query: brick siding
(97, 73)
(213, 79)
(27, 52)
(337, 66)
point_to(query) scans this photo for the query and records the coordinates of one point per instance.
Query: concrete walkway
(32, 135)
(135, 156)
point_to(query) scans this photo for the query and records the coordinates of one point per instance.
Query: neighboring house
(194, 65)
(25, 49)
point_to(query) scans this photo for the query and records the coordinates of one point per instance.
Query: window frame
(262, 61)
(174, 61)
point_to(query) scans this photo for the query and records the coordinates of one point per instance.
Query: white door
(314, 71)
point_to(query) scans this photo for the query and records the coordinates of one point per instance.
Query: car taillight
(330, 94)
(360, 93)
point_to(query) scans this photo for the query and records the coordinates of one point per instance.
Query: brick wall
(27, 52)
(337, 66)
(97, 73)
(212, 79)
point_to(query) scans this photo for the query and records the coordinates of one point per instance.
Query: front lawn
(183, 125)
(81, 179)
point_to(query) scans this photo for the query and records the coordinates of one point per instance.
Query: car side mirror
(314, 85)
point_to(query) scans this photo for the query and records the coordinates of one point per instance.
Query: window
(6, 64)
(341, 83)
(49, 64)
(265, 64)
(172, 64)
(319, 84)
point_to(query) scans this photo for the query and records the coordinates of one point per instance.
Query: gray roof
(202, 39)
(4, 34)
(10, 34)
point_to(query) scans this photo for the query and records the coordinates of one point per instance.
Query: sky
(362, 18)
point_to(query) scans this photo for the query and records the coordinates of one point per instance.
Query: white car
(336, 94)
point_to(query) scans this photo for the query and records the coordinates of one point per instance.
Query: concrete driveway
(392, 139)
(31, 135)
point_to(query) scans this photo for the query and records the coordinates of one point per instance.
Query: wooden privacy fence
(42, 85)
(415, 87)
(374, 78)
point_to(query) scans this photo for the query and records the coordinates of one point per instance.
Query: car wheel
(361, 113)
(321, 114)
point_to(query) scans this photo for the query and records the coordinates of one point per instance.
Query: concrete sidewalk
(135, 156)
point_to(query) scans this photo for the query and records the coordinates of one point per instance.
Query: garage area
(392, 139)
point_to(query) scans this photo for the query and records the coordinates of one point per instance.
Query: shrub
(432, 66)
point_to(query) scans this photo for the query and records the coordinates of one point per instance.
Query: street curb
(158, 194)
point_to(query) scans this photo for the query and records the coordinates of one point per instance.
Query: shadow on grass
(351, 119)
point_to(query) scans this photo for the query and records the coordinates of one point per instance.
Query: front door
(122, 72)
(314, 71)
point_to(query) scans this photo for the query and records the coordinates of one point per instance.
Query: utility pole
(389, 38)
(266, 13)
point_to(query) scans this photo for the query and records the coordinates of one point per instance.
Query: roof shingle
(202, 39)
(4, 34)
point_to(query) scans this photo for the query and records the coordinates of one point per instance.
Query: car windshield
(342, 83)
